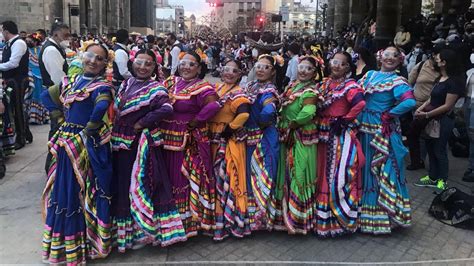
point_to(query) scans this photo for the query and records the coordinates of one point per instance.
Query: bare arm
(446, 107)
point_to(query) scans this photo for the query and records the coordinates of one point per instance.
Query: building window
(241, 6)
(249, 6)
(249, 21)
(258, 6)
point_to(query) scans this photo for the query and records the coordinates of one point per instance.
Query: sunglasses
(337, 62)
(305, 68)
(229, 69)
(262, 66)
(93, 57)
(143, 62)
(388, 54)
(187, 63)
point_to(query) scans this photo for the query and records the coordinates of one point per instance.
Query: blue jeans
(438, 150)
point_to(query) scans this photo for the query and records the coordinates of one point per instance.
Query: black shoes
(3, 170)
(413, 167)
(29, 137)
(468, 176)
(19, 146)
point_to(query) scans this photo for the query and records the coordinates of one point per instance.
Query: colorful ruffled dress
(187, 152)
(385, 199)
(296, 180)
(36, 111)
(229, 157)
(77, 196)
(7, 129)
(142, 204)
(262, 154)
(340, 157)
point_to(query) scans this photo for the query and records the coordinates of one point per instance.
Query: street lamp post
(316, 23)
(324, 8)
(253, 18)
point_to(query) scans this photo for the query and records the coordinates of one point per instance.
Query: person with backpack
(416, 56)
(423, 77)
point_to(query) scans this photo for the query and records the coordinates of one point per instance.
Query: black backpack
(459, 139)
(454, 207)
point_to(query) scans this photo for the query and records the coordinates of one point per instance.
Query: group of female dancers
(159, 162)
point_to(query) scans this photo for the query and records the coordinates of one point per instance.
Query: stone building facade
(170, 19)
(104, 16)
(241, 14)
(83, 16)
(31, 15)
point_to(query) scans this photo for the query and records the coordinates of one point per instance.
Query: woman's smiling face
(390, 59)
(189, 67)
(94, 60)
(144, 66)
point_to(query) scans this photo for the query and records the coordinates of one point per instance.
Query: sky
(200, 7)
(196, 7)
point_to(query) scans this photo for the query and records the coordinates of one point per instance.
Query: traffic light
(215, 3)
(261, 22)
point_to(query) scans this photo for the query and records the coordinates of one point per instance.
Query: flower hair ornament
(36, 36)
(39, 35)
(316, 50)
(379, 54)
(85, 44)
(317, 53)
(277, 59)
(355, 57)
(301, 58)
(201, 55)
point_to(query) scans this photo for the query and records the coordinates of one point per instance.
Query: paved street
(425, 241)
